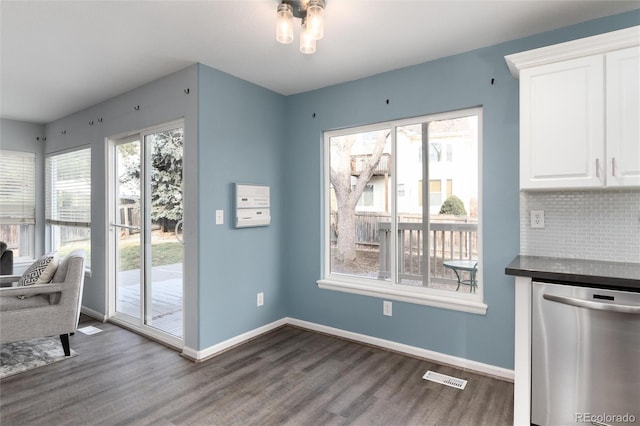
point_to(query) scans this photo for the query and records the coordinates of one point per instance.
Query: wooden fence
(19, 238)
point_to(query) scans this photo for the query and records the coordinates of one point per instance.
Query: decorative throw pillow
(49, 272)
(34, 271)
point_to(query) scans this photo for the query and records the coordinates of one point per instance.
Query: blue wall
(241, 139)
(239, 132)
(451, 83)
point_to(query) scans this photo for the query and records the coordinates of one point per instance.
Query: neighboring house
(452, 169)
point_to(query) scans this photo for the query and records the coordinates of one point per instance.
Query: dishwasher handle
(581, 303)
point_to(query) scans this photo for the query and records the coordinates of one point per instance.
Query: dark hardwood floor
(288, 376)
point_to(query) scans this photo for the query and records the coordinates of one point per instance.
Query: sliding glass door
(146, 265)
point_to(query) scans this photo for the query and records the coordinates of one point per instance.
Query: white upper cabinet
(623, 117)
(579, 115)
(562, 124)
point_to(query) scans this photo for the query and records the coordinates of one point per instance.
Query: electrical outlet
(260, 299)
(387, 308)
(537, 218)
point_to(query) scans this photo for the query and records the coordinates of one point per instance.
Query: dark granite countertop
(588, 273)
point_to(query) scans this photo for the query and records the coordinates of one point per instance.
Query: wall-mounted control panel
(252, 205)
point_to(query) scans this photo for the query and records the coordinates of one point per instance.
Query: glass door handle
(581, 303)
(135, 228)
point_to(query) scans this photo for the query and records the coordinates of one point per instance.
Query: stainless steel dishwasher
(585, 356)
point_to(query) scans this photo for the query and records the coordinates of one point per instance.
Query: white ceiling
(59, 57)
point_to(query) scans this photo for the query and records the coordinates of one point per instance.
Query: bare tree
(347, 196)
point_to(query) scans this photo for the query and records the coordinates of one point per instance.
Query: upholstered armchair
(49, 309)
(6, 259)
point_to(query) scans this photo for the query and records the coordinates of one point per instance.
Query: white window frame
(49, 222)
(28, 215)
(459, 301)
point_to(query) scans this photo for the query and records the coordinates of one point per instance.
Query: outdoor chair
(42, 310)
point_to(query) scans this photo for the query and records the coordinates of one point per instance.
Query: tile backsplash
(596, 225)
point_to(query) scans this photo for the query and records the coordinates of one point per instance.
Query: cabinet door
(623, 117)
(562, 125)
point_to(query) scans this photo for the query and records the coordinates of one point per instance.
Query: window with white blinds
(68, 202)
(68, 193)
(17, 187)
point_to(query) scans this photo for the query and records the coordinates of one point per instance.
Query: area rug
(22, 356)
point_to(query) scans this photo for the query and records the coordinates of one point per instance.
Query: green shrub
(453, 205)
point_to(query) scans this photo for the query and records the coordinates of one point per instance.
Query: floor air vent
(454, 382)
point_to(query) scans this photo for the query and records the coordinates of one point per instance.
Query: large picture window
(18, 202)
(390, 235)
(68, 201)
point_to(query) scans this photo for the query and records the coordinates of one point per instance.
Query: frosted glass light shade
(284, 24)
(307, 42)
(315, 19)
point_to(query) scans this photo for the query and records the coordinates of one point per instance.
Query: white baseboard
(230, 343)
(455, 361)
(93, 314)
(476, 366)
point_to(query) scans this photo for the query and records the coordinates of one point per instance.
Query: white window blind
(68, 194)
(17, 187)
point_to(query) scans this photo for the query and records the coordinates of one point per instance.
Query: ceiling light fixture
(311, 12)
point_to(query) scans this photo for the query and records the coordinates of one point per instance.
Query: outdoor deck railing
(446, 241)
